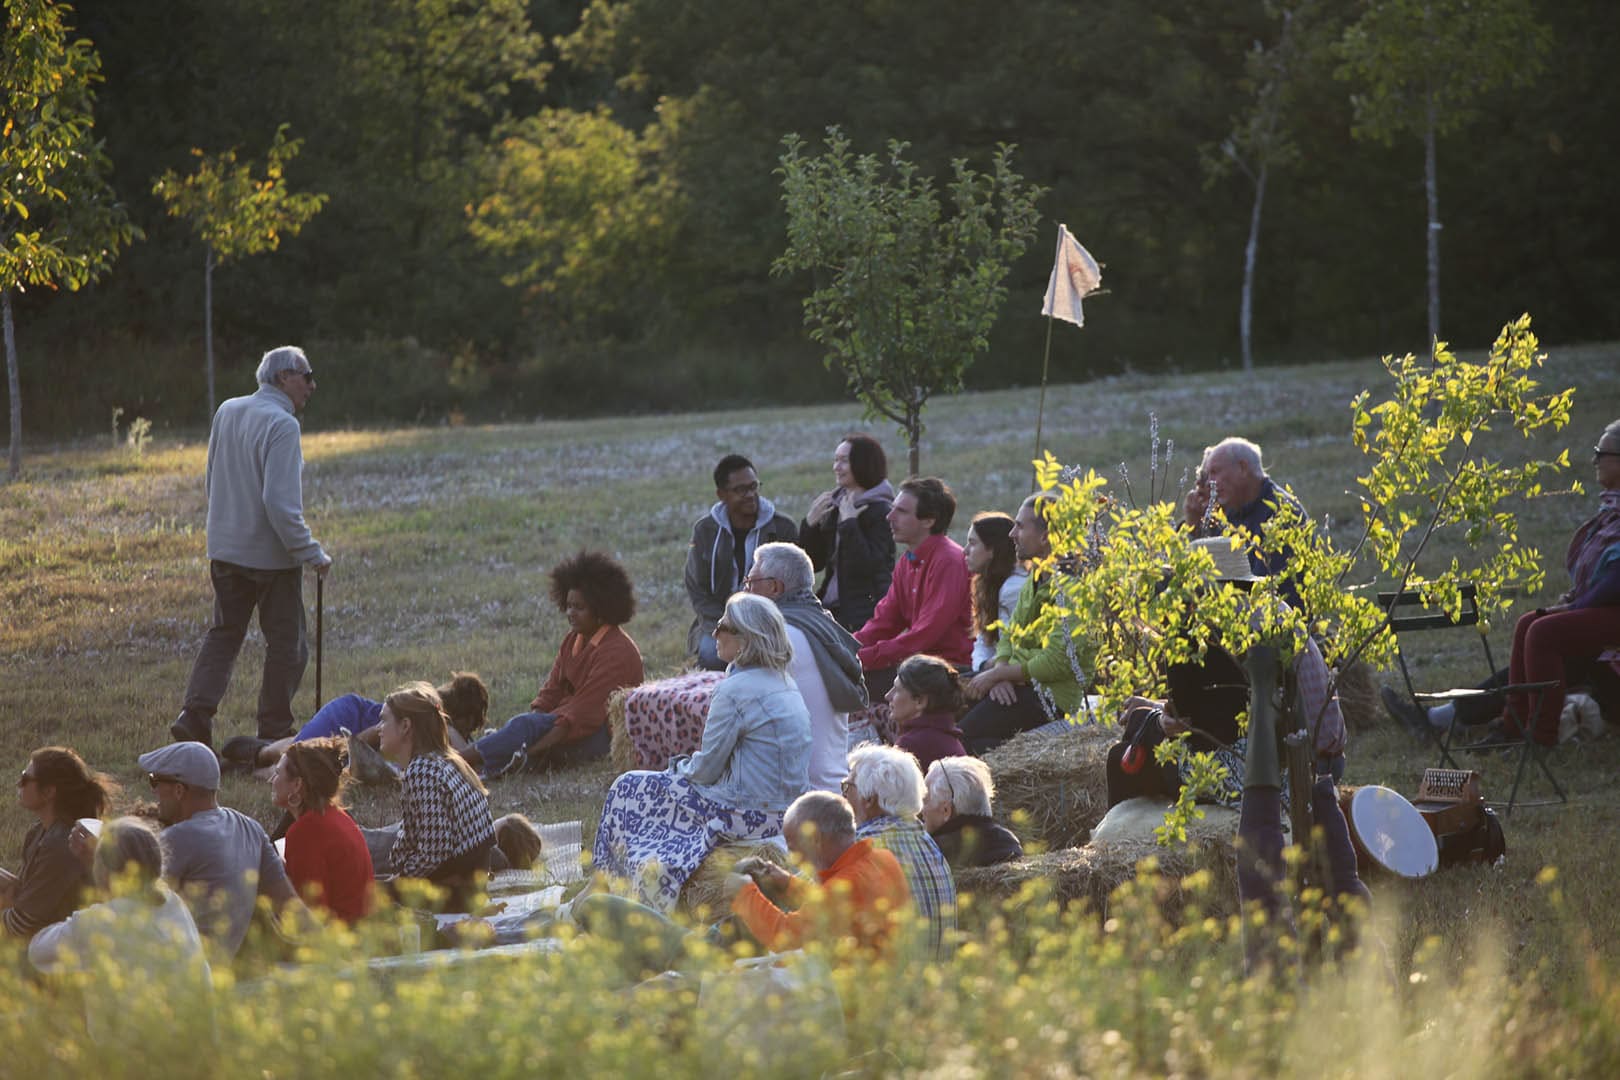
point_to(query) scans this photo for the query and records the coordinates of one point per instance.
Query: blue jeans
(526, 729)
(709, 654)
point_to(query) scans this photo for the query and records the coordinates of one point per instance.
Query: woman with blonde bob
(446, 833)
(657, 827)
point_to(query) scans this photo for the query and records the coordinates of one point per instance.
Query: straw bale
(1089, 875)
(1060, 781)
(703, 894)
(620, 751)
(1358, 698)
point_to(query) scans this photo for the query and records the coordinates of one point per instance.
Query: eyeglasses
(154, 779)
(744, 489)
(308, 376)
(753, 580)
(1599, 452)
(723, 627)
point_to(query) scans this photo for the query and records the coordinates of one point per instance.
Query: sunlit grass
(443, 538)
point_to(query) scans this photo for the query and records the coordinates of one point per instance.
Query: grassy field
(443, 538)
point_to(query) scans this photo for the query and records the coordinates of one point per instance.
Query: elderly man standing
(258, 545)
(826, 662)
(723, 544)
(1233, 472)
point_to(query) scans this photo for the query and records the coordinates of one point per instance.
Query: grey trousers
(278, 596)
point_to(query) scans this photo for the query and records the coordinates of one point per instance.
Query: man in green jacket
(1037, 675)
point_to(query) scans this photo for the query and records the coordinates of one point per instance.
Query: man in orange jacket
(861, 897)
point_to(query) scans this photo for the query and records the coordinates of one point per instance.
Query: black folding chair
(1416, 617)
(1408, 615)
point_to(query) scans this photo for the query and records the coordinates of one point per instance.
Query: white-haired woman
(657, 827)
(885, 789)
(956, 812)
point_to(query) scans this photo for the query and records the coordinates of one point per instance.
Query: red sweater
(861, 897)
(584, 677)
(329, 863)
(928, 609)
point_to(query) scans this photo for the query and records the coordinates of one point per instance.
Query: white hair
(761, 632)
(965, 781)
(889, 775)
(788, 564)
(1241, 451)
(278, 361)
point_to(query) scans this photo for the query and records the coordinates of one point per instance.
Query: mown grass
(443, 537)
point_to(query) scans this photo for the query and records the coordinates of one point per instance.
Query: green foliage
(1147, 599)
(582, 205)
(232, 211)
(1424, 473)
(1416, 63)
(904, 297)
(59, 222)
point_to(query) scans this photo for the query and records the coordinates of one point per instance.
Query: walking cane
(320, 603)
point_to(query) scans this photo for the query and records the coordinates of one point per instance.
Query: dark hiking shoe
(190, 728)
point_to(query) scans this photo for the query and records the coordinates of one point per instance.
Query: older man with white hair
(826, 657)
(885, 789)
(1234, 475)
(258, 546)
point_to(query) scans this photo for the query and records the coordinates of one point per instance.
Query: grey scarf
(836, 650)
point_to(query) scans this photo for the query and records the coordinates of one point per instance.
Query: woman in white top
(138, 951)
(997, 578)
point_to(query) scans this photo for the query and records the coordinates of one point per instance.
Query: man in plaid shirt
(885, 788)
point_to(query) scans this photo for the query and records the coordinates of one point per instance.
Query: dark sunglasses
(154, 779)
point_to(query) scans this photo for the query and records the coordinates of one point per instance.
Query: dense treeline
(553, 206)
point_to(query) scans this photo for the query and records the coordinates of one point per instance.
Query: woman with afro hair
(567, 721)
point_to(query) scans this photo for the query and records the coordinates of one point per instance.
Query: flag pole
(1040, 413)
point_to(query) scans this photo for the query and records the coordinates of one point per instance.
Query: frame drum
(1391, 833)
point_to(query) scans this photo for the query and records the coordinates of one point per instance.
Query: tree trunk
(14, 467)
(208, 322)
(1432, 190)
(1250, 252)
(914, 436)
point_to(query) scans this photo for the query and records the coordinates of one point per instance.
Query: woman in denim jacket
(657, 827)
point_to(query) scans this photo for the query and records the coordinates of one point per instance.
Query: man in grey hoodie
(723, 544)
(258, 546)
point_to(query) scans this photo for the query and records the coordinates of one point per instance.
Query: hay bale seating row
(1089, 875)
(1057, 782)
(703, 895)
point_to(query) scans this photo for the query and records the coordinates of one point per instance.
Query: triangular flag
(1075, 274)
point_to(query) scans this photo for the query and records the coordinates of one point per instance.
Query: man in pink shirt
(929, 607)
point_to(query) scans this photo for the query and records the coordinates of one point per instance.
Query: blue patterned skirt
(657, 827)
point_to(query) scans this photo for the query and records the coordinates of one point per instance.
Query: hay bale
(1089, 875)
(1358, 698)
(1060, 781)
(620, 751)
(703, 894)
